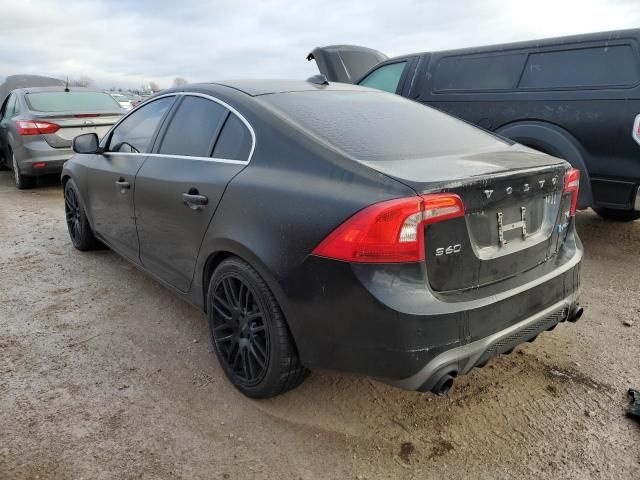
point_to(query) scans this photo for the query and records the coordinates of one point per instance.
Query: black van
(575, 97)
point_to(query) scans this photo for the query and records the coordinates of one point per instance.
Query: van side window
(488, 72)
(585, 67)
(385, 78)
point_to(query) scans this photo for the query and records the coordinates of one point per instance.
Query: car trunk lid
(71, 125)
(515, 214)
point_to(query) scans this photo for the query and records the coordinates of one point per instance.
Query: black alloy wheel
(72, 212)
(240, 331)
(79, 229)
(249, 333)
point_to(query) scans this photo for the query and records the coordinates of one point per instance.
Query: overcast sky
(126, 43)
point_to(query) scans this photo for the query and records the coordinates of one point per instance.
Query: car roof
(270, 86)
(535, 43)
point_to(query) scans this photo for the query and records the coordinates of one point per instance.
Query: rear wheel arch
(553, 140)
(233, 249)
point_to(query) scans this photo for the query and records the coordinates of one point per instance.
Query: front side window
(385, 78)
(135, 133)
(194, 128)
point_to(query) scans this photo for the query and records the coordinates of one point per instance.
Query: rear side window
(73, 101)
(134, 133)
(193, 129)
(494, 72)
(385, 78)
(586, 67)
(235, 140)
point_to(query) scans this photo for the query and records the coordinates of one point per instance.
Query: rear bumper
(462, 359)
(385, 322)
(32, 154)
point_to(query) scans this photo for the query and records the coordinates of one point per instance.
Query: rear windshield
(378, 126)
(71, 102)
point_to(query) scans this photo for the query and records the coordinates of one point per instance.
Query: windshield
(77, 101)
(376, 126)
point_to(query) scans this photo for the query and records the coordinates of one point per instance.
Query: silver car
(37, 126)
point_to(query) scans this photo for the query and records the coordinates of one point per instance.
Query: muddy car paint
(393, 320)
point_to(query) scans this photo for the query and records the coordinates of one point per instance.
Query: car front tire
(77, 223)
(249, 333)
(618, 215)
(22, 181)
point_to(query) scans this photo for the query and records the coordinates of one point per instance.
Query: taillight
(391, 231)
(36, 127)
(572, 185)
(635, 133)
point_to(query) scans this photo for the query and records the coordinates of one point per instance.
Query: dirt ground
(105, 374)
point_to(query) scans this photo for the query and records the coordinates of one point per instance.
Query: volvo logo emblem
(488, 193)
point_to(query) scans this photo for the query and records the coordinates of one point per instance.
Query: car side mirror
(87, 143)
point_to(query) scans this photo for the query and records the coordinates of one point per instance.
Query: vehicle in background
(134, 99)
(576, 98)
(123, 100)
(12, 82)
(37, 126)
(315, 232)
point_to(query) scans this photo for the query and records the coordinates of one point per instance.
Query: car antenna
(318, 79)
(66, 85)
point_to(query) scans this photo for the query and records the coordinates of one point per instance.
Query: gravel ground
(105, 374)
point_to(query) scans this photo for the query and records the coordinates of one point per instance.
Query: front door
(179, 187)
(111, 177)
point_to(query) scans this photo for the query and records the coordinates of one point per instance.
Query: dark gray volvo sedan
(333, 226)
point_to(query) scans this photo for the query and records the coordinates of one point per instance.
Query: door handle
(194, 201)
(122, 185)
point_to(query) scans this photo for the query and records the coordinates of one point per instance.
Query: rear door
(202, 147)
(111, 176)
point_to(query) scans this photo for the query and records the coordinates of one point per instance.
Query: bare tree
(82, 81)
(154, 87)
(179, 81)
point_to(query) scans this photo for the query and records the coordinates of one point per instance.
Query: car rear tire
(80, 232)
(618, 215)
(249, 333)
(22, 181)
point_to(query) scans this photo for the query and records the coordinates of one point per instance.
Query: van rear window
(585, 67)
(72, 102)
